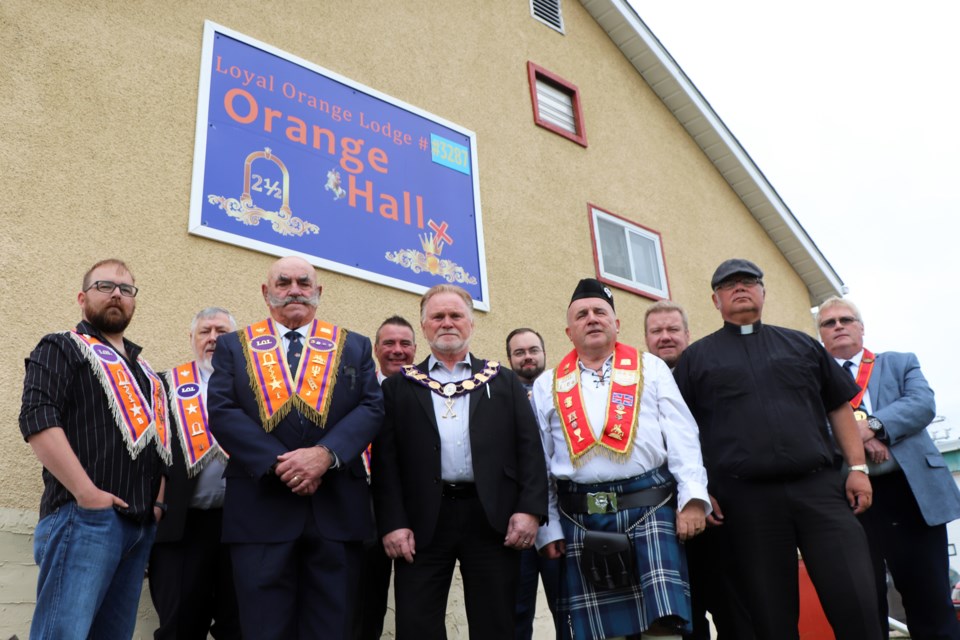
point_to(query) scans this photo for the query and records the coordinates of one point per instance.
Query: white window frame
(646, 289)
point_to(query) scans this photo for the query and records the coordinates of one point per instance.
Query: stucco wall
(97, 115)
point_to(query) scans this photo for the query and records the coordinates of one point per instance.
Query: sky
(850, 110)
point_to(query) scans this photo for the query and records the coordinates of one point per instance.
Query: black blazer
(258, 507)
(508, 461)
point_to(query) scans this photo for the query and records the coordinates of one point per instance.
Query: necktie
(294, 351)
(848, 367)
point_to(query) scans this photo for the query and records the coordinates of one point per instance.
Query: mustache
(276, 301)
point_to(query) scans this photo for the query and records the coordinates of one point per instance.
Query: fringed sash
(619, 428)
(190, 418)
(310, 390)
(140, 420)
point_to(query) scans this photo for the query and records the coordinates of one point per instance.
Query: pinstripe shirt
(61, 390)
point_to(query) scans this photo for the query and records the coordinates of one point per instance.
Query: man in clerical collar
(630, 483)
(94, 413)
(191, 576)
(762, 396)
(667, 334)
(458, 475)
(914, 494)
(294, 400)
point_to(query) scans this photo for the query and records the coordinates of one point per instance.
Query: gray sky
(849, 108)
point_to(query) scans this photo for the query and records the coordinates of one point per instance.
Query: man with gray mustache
(295, 401)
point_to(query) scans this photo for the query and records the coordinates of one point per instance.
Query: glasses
(844, 321)
(519, 353)
(747, 281)
(106, 286)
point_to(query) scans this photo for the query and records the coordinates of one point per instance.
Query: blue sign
(293, 159)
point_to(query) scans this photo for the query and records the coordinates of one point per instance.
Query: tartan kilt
(663, 588)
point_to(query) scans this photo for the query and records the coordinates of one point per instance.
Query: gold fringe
(295, 401)
(601, 448)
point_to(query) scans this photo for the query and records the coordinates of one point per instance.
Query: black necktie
(848, 367)
(294, 351)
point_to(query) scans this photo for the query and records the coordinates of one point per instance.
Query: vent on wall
(556, 104)
(547, 12)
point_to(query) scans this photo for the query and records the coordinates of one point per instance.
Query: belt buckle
(601, 502)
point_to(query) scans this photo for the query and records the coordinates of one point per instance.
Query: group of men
(272, 481)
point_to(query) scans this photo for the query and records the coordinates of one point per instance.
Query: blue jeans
(92, 564)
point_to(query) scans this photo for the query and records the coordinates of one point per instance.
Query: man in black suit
(191, 578)
(458, 474)
(295, 401)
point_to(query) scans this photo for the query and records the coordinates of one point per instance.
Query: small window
(547, 12)
(627, 255)
(556, 104)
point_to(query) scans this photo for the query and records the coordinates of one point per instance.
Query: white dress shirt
(855, 371)
(665, 432)
(456, 461)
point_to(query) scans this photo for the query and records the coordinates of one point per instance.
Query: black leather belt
(459, 490)
(611, 502)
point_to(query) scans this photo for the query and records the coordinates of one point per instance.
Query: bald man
(295, 401)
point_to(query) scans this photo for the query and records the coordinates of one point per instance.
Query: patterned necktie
(294, 351)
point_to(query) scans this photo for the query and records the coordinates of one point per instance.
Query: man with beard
(630, 485)
(295, 401)
(94, 413)
(527, 357)
(394, 347)
(191, 578)
(458, 474)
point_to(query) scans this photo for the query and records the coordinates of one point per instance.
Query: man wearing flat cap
(630, 485)
(763, 397)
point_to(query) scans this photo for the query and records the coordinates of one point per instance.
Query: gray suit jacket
(903, 401)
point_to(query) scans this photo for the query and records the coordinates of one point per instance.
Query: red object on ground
(813, 621)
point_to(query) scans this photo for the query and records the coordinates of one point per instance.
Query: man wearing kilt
(630, 485)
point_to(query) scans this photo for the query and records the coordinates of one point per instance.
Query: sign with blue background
(293, 159)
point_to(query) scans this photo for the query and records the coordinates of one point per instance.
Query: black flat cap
(732, 267)
(592, 288)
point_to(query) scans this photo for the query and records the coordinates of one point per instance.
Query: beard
(449, 347)
(109, 319)
(530, 372)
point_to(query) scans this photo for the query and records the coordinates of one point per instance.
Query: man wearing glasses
(94, 413)
(914, 492)
(762, 396)
(527, 357)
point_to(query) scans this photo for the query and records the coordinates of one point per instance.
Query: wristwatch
(874, 424)
(862, 468)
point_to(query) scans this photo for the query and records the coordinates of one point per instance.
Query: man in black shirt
(762, 396)
(95, 415)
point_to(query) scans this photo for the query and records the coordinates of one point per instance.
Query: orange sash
(619, 428)
(863, 377)
(190, 415)
(310, 390)
(138, 421)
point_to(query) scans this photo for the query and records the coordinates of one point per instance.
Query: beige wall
(97, 116)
